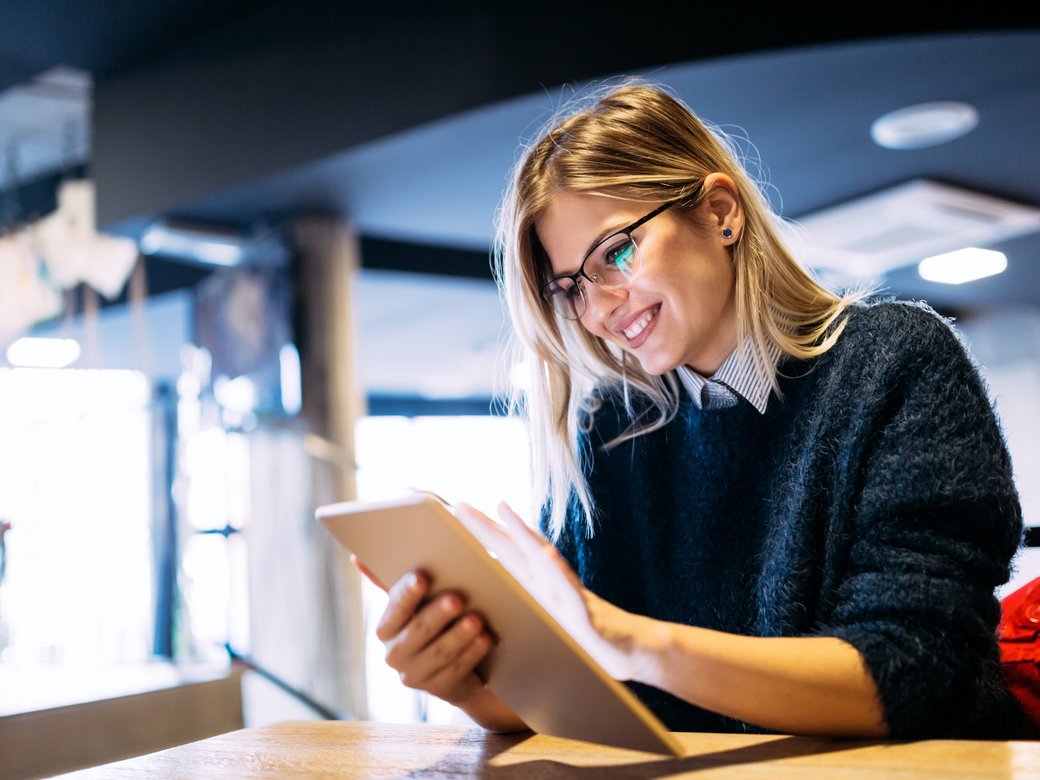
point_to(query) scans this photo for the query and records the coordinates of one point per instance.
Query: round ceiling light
(923, 125)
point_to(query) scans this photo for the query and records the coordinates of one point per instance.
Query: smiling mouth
(640, 324)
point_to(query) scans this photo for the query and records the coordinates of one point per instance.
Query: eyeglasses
(612, 263)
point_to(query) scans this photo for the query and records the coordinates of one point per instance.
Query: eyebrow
(599, 239)
(631, 226)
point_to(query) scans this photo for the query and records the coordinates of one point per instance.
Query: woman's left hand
(604, 631)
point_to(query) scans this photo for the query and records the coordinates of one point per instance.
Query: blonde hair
(638, 142)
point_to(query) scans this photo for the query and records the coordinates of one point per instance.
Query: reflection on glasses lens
(566, 297)
(614, 263)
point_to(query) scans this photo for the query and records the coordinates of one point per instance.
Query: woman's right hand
(435, 644)
(435, 647)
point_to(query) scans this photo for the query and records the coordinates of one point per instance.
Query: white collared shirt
(735, 377)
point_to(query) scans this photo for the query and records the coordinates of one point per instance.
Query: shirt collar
(737, 373)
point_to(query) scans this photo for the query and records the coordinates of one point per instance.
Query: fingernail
(449, 603)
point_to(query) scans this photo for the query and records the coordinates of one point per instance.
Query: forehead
(573, 222)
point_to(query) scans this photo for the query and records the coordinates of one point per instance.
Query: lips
(638, 328)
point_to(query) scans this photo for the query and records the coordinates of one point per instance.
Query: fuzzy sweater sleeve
(935, 525)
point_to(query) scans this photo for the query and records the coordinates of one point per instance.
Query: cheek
(713, 279)
(594, 327)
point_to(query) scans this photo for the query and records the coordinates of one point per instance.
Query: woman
(774, 507)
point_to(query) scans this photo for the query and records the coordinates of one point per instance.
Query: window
(75, 484)
(478, 459)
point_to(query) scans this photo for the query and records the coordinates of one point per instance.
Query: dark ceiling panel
(405, 117)
(103, 36)
(297, 82)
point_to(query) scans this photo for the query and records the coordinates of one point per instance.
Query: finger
(424, 628)
(495, 538)
(523, 534)
(367, 572)
(480, 525)
(405, 597)
(514, 520)
(458, 679)
(443, 651)
(489, 533)
(536, 543)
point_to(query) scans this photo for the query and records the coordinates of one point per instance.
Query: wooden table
(371, 750)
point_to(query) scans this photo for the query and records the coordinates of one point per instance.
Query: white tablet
(535, 666)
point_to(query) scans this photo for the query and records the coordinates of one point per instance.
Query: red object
(1019, 635)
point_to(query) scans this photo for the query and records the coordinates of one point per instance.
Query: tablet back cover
(535, 667)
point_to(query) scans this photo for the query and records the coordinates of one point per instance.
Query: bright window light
(292, 392)
(481, 460)
(76, 485)
(30, 352)
(964, 265)
(239, 394)
(520, 376)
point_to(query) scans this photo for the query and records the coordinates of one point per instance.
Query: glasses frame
(580, 274)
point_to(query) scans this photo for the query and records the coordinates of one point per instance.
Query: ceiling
(805, 114)
(800, 88)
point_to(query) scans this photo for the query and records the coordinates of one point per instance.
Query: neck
(724, 341)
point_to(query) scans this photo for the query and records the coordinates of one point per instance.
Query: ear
(724, 207)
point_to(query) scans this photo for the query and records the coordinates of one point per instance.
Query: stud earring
(727, 233)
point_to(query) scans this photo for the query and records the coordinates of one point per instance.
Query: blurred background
(245, 270)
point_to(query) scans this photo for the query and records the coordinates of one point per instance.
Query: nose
(602, 301)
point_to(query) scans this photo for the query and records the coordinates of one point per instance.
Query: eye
(564, 287)
(620, 256)
(572, 290)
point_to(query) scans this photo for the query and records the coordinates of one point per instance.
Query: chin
(656, 366)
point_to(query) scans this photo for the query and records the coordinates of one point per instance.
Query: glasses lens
(566, 297)
(615, 262)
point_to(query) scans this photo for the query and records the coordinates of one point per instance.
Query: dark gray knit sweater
(873, 502)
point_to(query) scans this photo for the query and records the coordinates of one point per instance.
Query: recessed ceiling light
(923, 125)
(896, 227)
(964, 265)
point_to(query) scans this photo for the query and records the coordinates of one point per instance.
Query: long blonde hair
(638, 142)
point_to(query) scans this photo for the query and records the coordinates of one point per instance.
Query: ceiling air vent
(902, 225)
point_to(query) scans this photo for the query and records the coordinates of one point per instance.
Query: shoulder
(890, 332)
(898, 320)
(891, 349)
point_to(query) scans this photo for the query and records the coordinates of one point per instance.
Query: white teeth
(638, 326)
